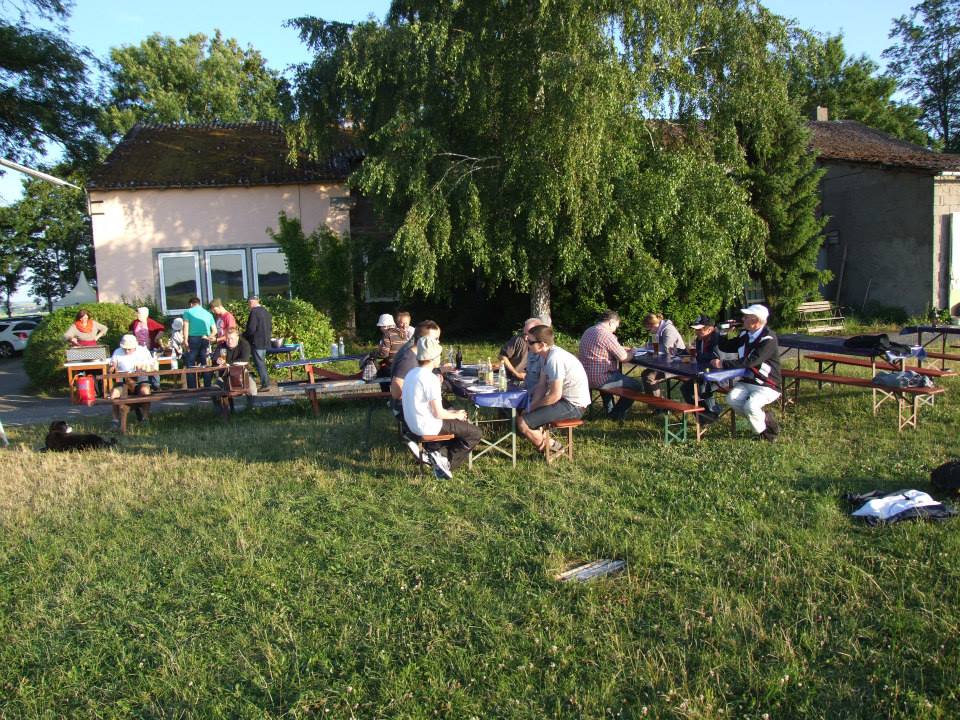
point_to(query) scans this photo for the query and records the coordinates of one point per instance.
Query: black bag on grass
(946, 478)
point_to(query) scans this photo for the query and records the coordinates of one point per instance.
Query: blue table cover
(508, 399)
(939, 329)
(318, 361)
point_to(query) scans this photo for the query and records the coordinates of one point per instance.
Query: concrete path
(18, 407)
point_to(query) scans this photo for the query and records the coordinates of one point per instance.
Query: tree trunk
(540, 295)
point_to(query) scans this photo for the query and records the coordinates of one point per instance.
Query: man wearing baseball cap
(705, 352)
(424, 413)
(757, 351)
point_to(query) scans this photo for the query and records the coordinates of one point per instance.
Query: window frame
(164, 307)
(207, 254)
(254, 254)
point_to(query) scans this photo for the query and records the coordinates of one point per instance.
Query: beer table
(512, 399)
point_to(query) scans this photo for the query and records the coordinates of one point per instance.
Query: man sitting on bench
(758, 352)
(567, 391)
(424, 413)
(131, 357)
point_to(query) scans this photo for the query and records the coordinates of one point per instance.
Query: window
(226, 274)
(270, 273)
(179, 280)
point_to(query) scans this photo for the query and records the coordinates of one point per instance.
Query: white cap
(128, 342)
(386, 320)
(757, 310)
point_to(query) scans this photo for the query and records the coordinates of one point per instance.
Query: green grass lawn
(282, 565)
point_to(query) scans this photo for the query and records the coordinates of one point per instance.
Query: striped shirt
(601, 354)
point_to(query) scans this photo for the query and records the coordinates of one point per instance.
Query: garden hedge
(295, 320)
(44, 354)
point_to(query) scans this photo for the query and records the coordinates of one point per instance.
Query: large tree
(50, 229)
(193, 80)
(510, 141)
(925, 60)
(852, 88)
(44, 95)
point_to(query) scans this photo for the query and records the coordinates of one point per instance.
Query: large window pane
(273, 278)
(179, 280)
(226, 275)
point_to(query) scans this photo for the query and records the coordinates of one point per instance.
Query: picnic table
(678, 369)
(221, 396)
(909, 399)
(468, 387)
(288, 349)
(937, 332)
(82, 367)
(314, 373)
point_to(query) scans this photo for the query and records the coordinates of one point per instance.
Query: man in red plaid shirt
(601, 354)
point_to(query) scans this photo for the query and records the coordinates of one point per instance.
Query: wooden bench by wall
(820, 316)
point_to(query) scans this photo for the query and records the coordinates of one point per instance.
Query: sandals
(555, 447)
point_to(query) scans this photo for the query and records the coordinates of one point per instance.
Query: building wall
(946, 268)
(884, 219)
(131, 226)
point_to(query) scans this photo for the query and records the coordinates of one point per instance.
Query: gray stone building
(894, 232)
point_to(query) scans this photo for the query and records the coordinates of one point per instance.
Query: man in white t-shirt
(131, 357)
(424, 413)
(566, 389)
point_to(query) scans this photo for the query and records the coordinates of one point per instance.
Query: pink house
(183, 210)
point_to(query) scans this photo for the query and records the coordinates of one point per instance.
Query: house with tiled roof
(893, 237)
(183, 210)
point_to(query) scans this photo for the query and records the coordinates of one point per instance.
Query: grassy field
(289, 566)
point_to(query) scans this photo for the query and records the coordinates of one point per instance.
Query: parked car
(14, 335)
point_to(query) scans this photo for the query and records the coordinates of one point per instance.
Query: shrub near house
(44, 355)
(295, 320)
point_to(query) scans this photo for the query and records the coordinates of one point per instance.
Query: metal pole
(36, 173)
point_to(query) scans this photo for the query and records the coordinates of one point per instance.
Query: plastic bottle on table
(459, 358)
(340, 349)
(334, 350)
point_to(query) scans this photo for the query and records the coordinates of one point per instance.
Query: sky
(102, 24)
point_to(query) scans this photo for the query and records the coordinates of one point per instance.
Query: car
(14, 335)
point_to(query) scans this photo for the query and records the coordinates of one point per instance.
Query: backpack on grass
(946, 478)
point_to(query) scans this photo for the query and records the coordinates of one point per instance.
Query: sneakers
(767, 436)
(441, 466)
(415, 449)
(708, 418)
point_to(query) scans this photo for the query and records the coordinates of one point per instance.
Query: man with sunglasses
(566, 392)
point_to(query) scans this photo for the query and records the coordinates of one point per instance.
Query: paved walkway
(18, 407)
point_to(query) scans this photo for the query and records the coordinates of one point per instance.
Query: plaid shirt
(601, 354)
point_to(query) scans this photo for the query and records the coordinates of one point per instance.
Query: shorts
(560, 410)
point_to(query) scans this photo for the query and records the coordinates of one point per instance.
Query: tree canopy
(44, 94)
(514, 141)
(925, 60)
(195, 79)
(852, 88)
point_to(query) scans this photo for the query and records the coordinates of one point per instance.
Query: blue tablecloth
(938, 329)
(509, 399)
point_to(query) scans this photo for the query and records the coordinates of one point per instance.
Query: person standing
(224, 319)
(198, 328)
(258, 334)
(85, 331)
(145, 329)
(758, 352)
(601, 354)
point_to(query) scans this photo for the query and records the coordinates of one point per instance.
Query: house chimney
(823, 114)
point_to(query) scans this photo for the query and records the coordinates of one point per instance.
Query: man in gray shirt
(566, 390)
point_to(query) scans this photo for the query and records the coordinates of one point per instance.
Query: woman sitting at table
(128, 358)
(665, 340)
(85, 331)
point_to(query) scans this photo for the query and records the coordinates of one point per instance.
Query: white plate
(482, 389)
(465, 380)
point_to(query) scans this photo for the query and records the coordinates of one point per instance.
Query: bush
(44, 354)
(295, 320)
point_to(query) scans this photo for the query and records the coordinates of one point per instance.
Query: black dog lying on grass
(60, 438)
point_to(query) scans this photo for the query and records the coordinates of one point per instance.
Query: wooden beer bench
(908, 410)
(221, 396)
(672, 431)
(828, 361)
